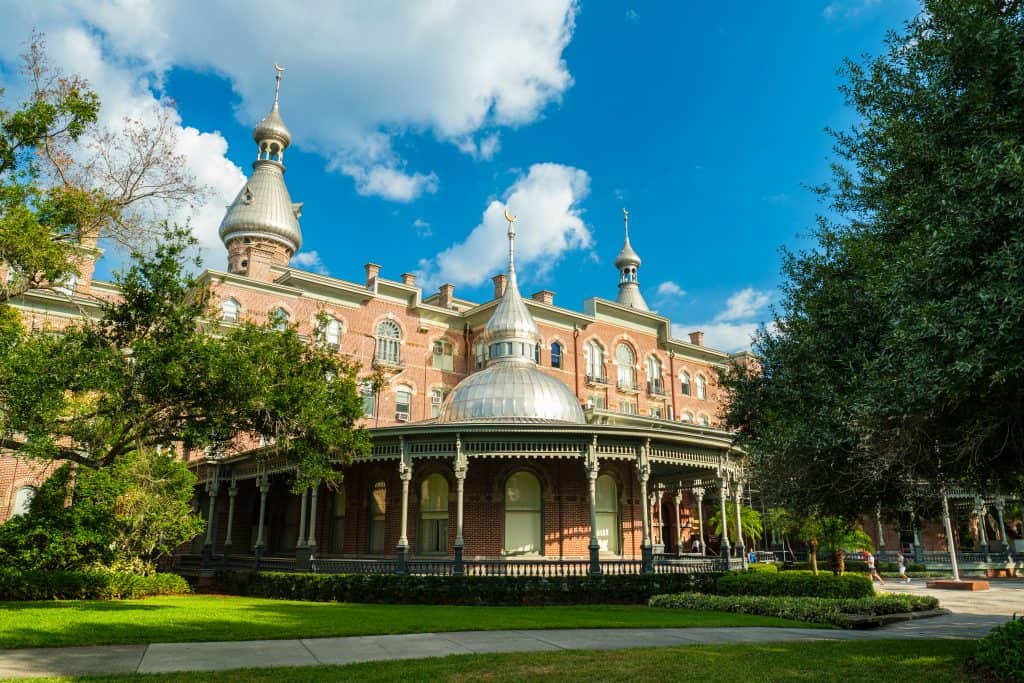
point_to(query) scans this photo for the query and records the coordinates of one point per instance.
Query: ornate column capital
(405, 463)
(461, 464)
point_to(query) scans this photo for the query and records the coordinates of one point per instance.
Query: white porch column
(228, 539)
(592, 468)
(300, 542)
(405, 474)
(461, 469)
(878, 527)
(699, 493)
(999, 504)
(979, 510)
(643, 468)
(723, 495)
(740, 549)
(263, 484)
(950, 545)
(678, 500)
(311, 541)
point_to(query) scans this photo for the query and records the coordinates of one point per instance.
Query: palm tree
(750, 522)
(839, 536)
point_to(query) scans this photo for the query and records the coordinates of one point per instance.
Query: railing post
(643, 468)
(228, 539)
(979, 510)
(461, 469)
(405, 474)
(592, 468)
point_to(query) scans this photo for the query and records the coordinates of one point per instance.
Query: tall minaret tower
(627, 262)
(261, 227)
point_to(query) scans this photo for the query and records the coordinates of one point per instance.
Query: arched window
(279, 319)
(389, 342)
(22, 501)
(608, 514)
(556, 355)
(229, 310)
(433, 530)
(686, 417)
(704, 421)
(338, 507)
(702, 387)
(330, 333)
(684, 383)
(625, 359)
(595, 361)
(654, 385)
(522, 515)
(378, 512)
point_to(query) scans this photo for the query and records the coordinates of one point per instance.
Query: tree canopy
(897, 349)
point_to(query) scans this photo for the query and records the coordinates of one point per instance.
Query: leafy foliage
(794, 584)
(834, 612)
(896, 353)
(92, 584)
(1001, 652)
(750, 522)
(461, 590)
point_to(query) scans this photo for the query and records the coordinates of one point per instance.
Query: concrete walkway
(973, 617)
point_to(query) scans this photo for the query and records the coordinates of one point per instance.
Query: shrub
(1002, 651)
(795, 584)
(461, 590)
(769, 567)
(830, 611)
(86, 584)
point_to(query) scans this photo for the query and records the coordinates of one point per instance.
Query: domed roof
(511, 392)
(627, 257)
(264, 208)
(272, 128)
(512, 388)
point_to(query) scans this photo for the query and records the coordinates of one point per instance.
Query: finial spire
(511, 243)
(277, 82)
(625, 219)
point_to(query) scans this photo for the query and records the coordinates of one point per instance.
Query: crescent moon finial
(509, 217)
(277, 68)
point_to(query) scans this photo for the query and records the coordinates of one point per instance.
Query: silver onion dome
(627, 262)
(512, 388)
(272, 128)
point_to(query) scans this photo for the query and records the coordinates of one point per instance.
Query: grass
(906, 661)
(212, 617)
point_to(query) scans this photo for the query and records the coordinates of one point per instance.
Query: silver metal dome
(512, 388)
(511, 392)
(272, 128)
(263, 208)
(627, 262)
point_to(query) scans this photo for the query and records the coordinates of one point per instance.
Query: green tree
(151, 373)
(897, 353)
(840, 536)
(750, 522)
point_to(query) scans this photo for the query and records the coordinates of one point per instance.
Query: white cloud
(127, 92)
(358, 74)
(422, 228)
(310, 260)
(847, 10)
(670, 289)
(743, 304)
(632, 16)
(724, 336)
(547, 202)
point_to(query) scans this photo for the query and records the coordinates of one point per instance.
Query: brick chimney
(499, 285)
(545, 296)
(697, 338)
(447, 291)
(409, 279)
(372, 271)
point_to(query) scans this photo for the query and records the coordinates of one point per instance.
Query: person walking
(873, 569)
(901, 562)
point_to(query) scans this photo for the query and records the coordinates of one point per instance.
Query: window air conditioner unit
(590, 404)
(436, 399)
(402, 416)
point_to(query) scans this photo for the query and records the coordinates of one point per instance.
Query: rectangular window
(597, 400)
(436, 399)
(657, 411)
(369, 400)
(522, 529)
(556, 355)
(403, 400)
(444, 355)
(627, 407)
(378, 512)
(434, 533)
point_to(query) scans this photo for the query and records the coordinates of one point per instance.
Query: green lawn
(211, 617)
(906, 661)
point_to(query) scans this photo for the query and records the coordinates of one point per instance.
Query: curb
(874, 621)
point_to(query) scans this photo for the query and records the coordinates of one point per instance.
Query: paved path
(974, 614)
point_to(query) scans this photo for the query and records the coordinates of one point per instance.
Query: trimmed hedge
(1001, 652)
(795, 584)
(833, 612)
(769, 567)
(88, 584)
(461, 590)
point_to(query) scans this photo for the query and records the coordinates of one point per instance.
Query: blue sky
(706, 120)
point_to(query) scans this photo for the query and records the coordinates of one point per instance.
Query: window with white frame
(22, 501)
(389, 342)
(704, 420)
(369, 399)
(657, 410)
(625, 360)
(479, 355)
(596, 401)
(433, 529)
(279, 319)
(702, 387)
(684, 383)
(594, 353)
(654, 375)
(437, 396)
(229, 310)
(403, 403)
(556, 355)
(330, 333)
(686, 416)
(378, 515)
(607, 508)
(627, 407)
(67, 284)
(444, 355)
(522, 515)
